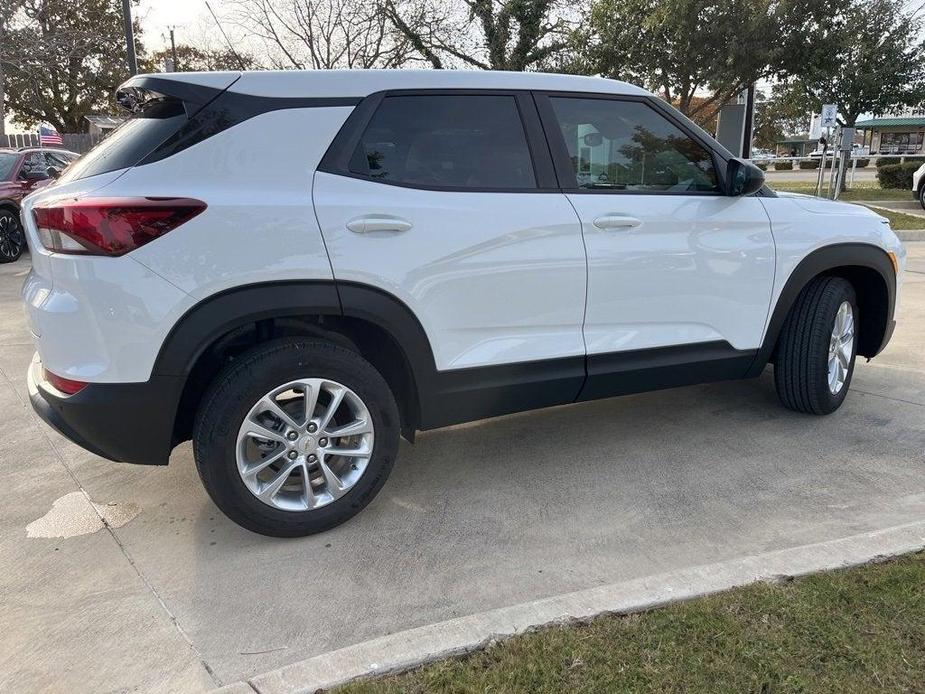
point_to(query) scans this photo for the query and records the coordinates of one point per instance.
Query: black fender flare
(833, 259)
(221, 313)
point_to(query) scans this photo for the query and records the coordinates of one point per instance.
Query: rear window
(130, 142)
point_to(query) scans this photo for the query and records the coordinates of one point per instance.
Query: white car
(294, 269)
(918, 185)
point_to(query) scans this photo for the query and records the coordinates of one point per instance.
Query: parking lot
(169, 595)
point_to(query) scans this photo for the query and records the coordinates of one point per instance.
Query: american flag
(49, 136)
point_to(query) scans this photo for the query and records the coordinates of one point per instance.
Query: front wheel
(295, 437)
(817, 347)
(12, 241)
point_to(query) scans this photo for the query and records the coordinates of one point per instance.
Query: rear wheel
(817, 347)
(922, 196)
(295, 437)
(12, 240)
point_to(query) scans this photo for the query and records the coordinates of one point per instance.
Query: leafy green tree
(698, 54)
(875, 63)
(62, 61)
(778, 117)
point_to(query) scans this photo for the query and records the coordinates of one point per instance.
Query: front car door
(679, 274)
(448, 201)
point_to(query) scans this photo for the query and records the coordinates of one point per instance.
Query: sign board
(829, 116)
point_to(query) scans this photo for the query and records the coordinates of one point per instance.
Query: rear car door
(672, 262)
(447, 201)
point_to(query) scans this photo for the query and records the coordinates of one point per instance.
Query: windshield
(7, 163)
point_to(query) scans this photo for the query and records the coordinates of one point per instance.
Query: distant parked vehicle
(21, 172)
(918, 185)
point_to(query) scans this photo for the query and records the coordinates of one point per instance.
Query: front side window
(34, 167)
(629, 146)
(446, 141)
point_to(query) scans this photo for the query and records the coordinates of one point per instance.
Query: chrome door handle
(363, 225)
(616, 221)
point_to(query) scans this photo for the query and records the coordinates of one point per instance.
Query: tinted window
(7, 162)
(464, 141)
(34, 166)
(131, 141)
(627, 145)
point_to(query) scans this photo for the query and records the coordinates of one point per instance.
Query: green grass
(858, 630)
(867, 190)
(900, 221)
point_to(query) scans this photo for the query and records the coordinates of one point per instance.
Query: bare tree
(323, 33)
(486, 34)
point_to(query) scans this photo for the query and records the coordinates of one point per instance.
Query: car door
(448, 201)
(673, 263)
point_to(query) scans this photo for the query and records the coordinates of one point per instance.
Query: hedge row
(897, 175)
(882, 161)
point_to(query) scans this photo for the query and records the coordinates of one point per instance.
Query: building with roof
(895, 133)
(102, 124)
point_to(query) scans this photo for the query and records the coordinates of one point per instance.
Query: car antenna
(225, 36)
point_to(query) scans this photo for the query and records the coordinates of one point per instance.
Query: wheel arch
(367, 320)
(871, 273)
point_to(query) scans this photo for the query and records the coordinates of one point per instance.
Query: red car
(21, 172)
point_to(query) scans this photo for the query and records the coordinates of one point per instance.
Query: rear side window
(627, 145)
(446, 141)
(130, 142)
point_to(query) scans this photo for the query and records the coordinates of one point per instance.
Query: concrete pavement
(474, 518)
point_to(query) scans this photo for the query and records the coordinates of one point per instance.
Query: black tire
(241, 384)
(12, 239)
(801, 366)
(922, 195)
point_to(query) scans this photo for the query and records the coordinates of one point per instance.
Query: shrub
(897, 175)
(783, 166)
(882, 161)
(809, 164)
(763, 165)
(862, 163)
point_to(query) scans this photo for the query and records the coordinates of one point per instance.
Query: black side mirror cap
(743, 178)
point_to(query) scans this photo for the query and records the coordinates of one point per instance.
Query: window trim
(336, 159)
(563, 162)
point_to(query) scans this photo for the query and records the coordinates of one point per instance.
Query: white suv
(293, 269)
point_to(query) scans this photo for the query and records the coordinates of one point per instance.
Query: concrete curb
(414, 647)
(911, 234)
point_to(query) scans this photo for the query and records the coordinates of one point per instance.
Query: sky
(190, 20)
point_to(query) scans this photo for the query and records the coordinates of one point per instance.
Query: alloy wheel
(304, 444)
(11, 237)
(841, 347)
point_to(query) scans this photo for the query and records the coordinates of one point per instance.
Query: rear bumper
(124, 422)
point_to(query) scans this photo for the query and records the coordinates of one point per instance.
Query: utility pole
(173, 52)
(129, 38)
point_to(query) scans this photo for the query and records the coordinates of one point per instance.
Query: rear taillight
(65, 385)
(109, 226)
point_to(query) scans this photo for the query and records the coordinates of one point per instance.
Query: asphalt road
(172, 596)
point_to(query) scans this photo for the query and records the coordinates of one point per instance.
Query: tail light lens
(109, 226)
(65, 385)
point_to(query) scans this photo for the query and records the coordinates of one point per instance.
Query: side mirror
(53, 172)
(743, 178)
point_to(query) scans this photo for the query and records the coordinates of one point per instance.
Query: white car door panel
(686, 269)
(493, 277)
